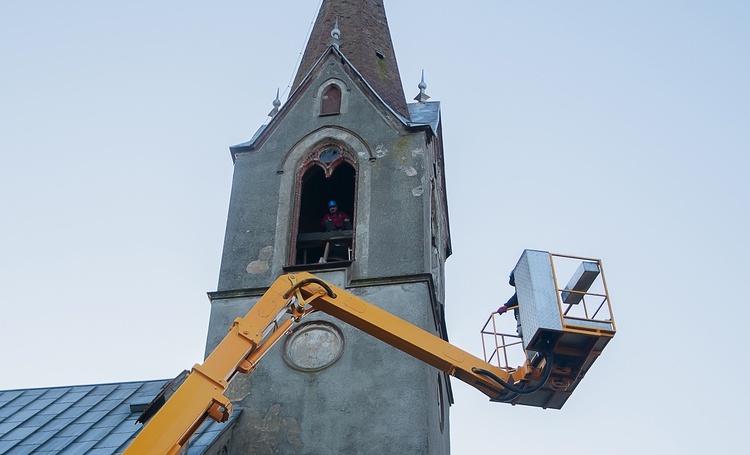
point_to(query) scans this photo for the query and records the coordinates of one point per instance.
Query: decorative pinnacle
(422, 97)
(276, 105)
(335, 34)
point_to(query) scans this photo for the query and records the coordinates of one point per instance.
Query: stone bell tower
(347, 134)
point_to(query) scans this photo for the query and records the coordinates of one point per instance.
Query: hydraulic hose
(514, 389)
(317, 281)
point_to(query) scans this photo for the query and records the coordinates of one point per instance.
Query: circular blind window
(314, 346)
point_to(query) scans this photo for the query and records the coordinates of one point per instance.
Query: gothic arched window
(327, 174)
(330, 101)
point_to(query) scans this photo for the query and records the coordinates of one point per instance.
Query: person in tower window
(336, 220)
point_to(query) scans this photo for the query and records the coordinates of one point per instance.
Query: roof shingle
(91, 419)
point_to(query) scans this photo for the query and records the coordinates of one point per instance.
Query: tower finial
(335, 34)
(422, 97)
(276, 105)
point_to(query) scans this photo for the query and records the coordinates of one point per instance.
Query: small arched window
(330, 101)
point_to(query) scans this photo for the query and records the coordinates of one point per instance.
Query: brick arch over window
(327, 173)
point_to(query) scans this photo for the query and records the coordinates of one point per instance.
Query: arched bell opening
(328, 177)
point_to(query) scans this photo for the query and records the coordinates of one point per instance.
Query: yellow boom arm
(287, 301)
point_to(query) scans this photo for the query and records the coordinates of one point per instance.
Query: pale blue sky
(616, 130)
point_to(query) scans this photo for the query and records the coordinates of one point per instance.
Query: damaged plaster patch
(417, 152)
(261, 265)
(409, 170)
(418, 191)
(273, 433)
(380, 151)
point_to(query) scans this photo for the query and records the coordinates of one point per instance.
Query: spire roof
(365, 40)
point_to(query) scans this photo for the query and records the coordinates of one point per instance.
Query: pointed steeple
(365, 40)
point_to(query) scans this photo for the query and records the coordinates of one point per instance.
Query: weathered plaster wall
(393, 200)
(373, 399)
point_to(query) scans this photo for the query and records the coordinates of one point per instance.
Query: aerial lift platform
(575, 318)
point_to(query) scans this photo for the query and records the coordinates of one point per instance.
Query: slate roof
(426, 113)
(83, 419)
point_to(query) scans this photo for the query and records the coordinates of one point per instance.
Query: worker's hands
(502, 309)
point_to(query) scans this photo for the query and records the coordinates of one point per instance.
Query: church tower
(345, 134)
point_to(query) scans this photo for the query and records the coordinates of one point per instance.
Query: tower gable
(331, 68)
(393, 166)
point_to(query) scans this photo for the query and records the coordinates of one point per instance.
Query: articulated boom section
(202, 393)
(287, 301)
(410, 339)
